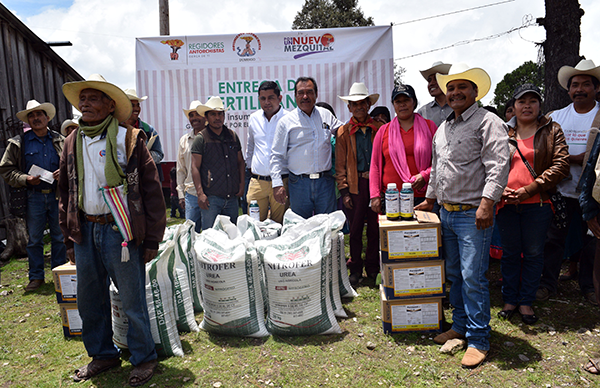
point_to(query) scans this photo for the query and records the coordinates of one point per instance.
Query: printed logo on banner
(204, 49)
(175, 45)
(246, 45)
(307, 45)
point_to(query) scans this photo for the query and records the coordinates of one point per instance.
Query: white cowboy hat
(584, 67)
(67, 123)
(132, 95)
(437, 67)
(34, 105)
(213, 103)
(462, 71)
(123, 106)
(358, 92)
(193, 105)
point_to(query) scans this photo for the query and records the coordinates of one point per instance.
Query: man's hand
(182, 203)
(517, 196)
(347, 201)
(576, 159)
(150, 254)
(203, 201)
(484, 217)
(33, 180)
(426, 205)
(71, 255)
(419, 182)
(594, 226)
(55, 174)
(280, 194)
(376, 205)
(240, 193)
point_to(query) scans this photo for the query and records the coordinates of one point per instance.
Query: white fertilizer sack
(120, 323)
(339, 254)
(184, 252)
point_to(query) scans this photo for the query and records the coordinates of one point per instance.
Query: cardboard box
(419, 239)
(65, 283)
(414, 279)
(405, 315)
(71, 321)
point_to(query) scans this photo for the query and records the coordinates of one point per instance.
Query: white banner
(175, 70)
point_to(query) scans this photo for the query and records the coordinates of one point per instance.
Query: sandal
(142, 373)
(94, 368)
(592, 367)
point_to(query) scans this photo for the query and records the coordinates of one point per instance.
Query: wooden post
(163, 10)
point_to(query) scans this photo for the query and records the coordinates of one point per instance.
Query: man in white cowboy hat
(302, 146)
(353, 149)
(217, 165)
(438, 109)
(186, 191)
(39, 147)
(153, 139)
(261, 130)
(102, 153)
(582, 82)
(68, 126)
(469, 172)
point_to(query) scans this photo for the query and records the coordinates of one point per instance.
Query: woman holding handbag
(539, 161)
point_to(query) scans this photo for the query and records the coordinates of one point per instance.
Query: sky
(103, 32)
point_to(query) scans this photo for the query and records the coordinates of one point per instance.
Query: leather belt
(101, 219)
(261, 178)
(455, 207)
(316, 175)
(364, 174)
(43, 191)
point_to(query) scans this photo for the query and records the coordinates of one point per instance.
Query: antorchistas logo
(307, 45)
(175, 45)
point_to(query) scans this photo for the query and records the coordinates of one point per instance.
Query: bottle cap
(391, 186)
(253, 202)
(406, 186)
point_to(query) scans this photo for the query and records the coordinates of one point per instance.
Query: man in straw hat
(39, 147)
(302, 146)
(217, 165)
(261, 130)
(582, 82)
(469, 172)
(438, 109)
(186, 191)
(353, 150)
(68, 126)
(104, 154)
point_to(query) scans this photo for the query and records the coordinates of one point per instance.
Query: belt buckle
(314, 176)
(46, 191)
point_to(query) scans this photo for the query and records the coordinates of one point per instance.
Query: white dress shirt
(185, 184)
(260, 140)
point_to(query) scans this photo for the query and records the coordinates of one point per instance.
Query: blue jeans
(98, 257)
(42, 209)
(523, 230)
(192, 211)
(219, 205)
(308, 196)
(466, 250)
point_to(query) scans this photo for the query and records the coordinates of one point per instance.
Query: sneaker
(355, 279)
(591, 298)
(542, 294)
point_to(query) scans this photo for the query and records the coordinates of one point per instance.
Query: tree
(528, 72)
(563, 35)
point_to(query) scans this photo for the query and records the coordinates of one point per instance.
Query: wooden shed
(29, 69)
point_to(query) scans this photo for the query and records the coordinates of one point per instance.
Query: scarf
(422, 148)
(112, 170)
(355, 125)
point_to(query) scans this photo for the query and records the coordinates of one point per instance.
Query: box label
(424, 280)
(415, 317)
(74, 321)
(414, 242)
(68, 285)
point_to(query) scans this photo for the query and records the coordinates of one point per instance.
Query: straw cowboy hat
(462, 71)
(123, 106)
(584, 67)
(213, 103)
(358, 92)
(34, 105)
(437, 67)
(67, 123)
(132, 95)
(193, 105)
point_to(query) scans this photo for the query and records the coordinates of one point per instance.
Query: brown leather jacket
(346, 173)
(551, 156)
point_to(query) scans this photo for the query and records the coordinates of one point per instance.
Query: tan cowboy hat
(67, 123)
(213, 103)
(34, 105)
(358, 92)
(584, 67)
(437, 67)
(462, 71)
(132, 95)
(123, 106)
(193, 105)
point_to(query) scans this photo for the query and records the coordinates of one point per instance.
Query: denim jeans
(97, 258)
(42, 209)
(192, 211)
(219, 205)
(311, 196)
(523, 230)
(466, 250)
